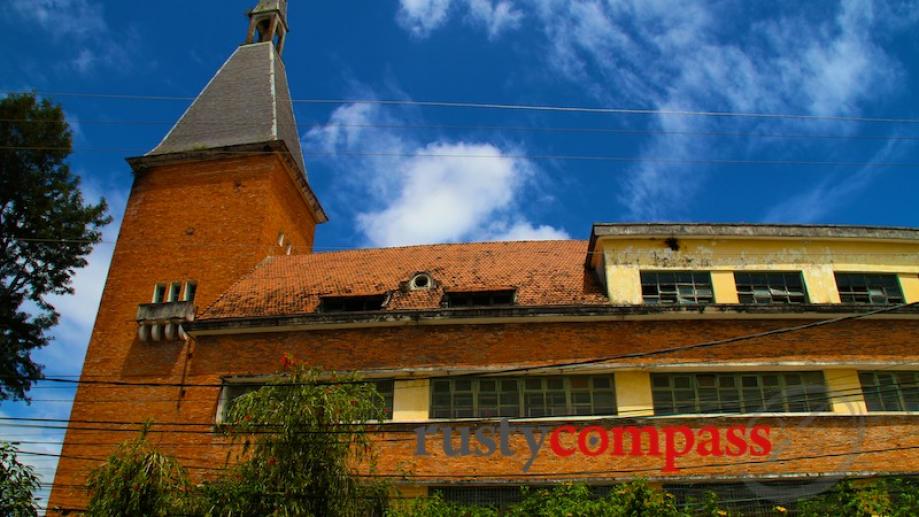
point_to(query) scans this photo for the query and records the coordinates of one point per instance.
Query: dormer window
(352, 303)
(479, 298)
(421, 281)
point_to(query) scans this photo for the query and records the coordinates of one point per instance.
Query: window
(479, 298)
(869, 289)
(282, 239)
(190, 289)
(231, 392)
(890, 391)
(676, 287)
(159, 293)
(421, 281)
(768, 288)
(351, 303)
(742, 392)
(174, 290)
(489, 397)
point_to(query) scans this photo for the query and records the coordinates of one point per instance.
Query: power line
(521, 156)
(515, 128)
(627, 255)
(514, 107)
(601, 359)
(736, 409)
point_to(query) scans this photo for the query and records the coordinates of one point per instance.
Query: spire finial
(268, 22)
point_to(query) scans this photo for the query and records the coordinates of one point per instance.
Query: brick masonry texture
(474, 346)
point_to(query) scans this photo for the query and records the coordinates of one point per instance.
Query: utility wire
(566, 364)
(511, 107)
(521, 156)
(516, 128)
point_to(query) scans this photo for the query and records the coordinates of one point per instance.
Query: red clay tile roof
(543, 273)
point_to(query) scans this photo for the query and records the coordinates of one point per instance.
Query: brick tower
(226, 188)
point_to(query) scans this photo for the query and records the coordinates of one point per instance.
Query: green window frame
(869, 288)
(676, 287)
(233, 390)
(891, 390)
(768, 287)
(738, 392)
(523, 397)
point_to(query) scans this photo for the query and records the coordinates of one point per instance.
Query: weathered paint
(411, 400)
(818, 260)
(724, 287)
(910, 285)
(633, 393)
(845, 392)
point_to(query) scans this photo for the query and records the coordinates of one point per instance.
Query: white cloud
(677, 55)
(421, 17)
(78, 18)
(495, 17)
(415, 192)
(814, 204)
(671, 55)
(79, 26)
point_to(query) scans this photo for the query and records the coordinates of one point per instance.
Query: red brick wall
(501, 345)
(211, 222)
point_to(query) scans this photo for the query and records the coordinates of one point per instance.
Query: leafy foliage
(138, 480)
(301, 442)
(892, 498)
(18, 483)
(634, 499)
(46, 231)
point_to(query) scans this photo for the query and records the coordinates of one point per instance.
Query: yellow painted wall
(910, 285)
(817, 260)
(724, 287)
(411, 400)
(845, 392)
(633, 393)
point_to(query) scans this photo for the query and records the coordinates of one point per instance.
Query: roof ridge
(442, 245)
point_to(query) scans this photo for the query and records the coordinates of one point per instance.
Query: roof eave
(278, 147)
(524, 314)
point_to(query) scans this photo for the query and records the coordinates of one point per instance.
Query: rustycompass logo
(668, 443)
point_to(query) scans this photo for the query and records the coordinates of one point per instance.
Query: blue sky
(393, 175)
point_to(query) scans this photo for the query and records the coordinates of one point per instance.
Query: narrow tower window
(159, 293)
(190, 289)
(174, 290)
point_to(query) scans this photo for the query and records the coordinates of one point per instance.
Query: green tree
(301, 442)
(46, 231)
(18, 483)
(138, 480)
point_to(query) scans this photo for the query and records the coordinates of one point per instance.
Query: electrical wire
(510, 107)
(521, 156)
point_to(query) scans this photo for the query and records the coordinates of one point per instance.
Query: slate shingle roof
(543, 273)
(247, 102)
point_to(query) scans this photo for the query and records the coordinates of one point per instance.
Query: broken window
(352, 303)
(890, 391)
(769, 288)
(874, 289)
(676, 287)
(491, 397)
(479, 298)
(741, 392)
